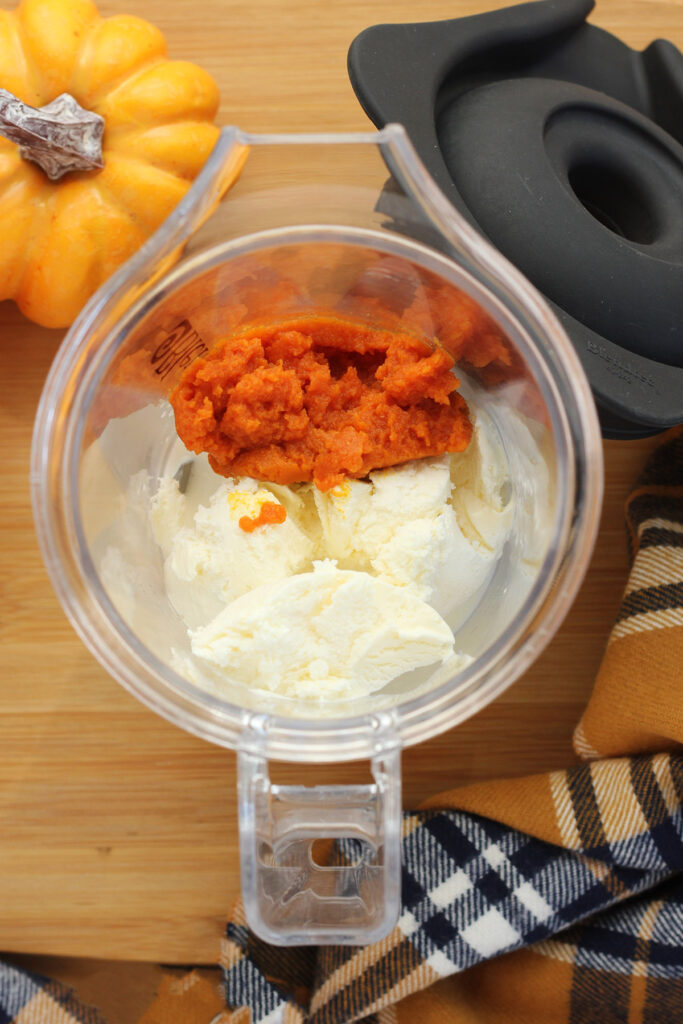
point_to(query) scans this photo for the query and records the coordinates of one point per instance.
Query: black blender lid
(565, 148)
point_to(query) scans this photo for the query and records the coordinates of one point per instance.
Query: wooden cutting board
(118, 832)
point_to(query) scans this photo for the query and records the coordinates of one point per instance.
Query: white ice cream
(482, 489)
(435, 526)
(407, 553)
(211, 560)
(327, 634)
(352, 589)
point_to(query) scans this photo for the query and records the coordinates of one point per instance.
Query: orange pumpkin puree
(320, 399)
(269, 513)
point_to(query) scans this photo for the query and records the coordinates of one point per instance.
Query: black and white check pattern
(473, 889)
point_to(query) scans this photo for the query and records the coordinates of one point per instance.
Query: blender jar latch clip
(321, 864)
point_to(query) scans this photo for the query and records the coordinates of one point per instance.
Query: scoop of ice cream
(404, 525)
(211, 560)
(482, 488)
(392, 525)
(327, 634)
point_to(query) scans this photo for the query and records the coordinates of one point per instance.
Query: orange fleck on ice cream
(270, 513)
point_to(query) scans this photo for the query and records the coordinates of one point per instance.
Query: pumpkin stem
(59, 137)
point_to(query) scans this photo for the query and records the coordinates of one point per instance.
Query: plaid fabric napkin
(577, 876)
(28, 998)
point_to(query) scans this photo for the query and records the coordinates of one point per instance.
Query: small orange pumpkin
(62, 239)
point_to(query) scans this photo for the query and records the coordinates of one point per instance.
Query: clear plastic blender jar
(276, 227)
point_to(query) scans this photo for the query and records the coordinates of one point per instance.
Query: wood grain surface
(118, 834)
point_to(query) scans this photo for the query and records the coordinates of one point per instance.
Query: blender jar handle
(300, 890)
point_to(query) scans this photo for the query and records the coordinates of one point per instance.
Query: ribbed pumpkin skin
(61, 240)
